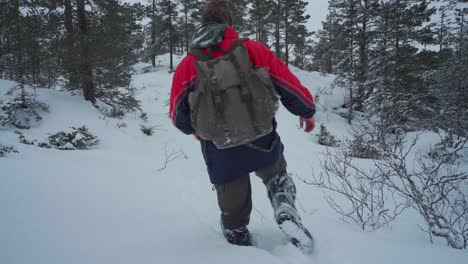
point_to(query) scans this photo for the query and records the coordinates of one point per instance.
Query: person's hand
(309, 124)
(196, 136)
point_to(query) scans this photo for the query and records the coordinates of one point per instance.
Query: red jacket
(295, 97)
(226, 165)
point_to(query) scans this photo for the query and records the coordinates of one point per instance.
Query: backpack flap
(233, 104)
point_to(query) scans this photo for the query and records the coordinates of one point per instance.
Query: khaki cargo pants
(234, 198)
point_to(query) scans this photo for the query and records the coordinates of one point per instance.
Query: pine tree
(295, 31)
(372, 46)
(401, 93)
(261, 17)
(169, 14)
(239, 16)
(191, 12)
(85, 70)
(450, 84)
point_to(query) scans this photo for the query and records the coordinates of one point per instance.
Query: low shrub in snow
(116, 112)
(149, 130)
(4, 150)
(121, 125)
(118, 101)
(434, 186)
(144, 116)
(363, 146)
(447, 144)
(325, 138)
(21, 109)
(79, 138)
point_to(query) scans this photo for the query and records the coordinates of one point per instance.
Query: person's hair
(217, 11)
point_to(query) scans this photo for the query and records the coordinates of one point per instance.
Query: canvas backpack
(234, 103)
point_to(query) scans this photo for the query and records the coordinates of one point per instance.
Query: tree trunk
(86, 72)
(186, 13)
(69, 58)
(462, 21)
(153, 34)
(351, 60)
(171, 40)
(17, 42)
(441, 30)
(286, 35)
(277, 29)
(363, 60)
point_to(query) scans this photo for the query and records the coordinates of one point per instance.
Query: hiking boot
(293, 228)
(282, 194)
(238, 236)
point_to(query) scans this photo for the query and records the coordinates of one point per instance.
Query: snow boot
(282, 194)
(238, 236)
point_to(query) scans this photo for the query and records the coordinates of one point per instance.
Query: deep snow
(112, 205)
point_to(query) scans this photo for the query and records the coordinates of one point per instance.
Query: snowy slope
(111, 205)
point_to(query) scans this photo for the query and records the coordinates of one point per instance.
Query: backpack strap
(236, 44)
(199, 54)
(246, 93)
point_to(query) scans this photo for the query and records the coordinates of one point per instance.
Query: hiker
(199, 106)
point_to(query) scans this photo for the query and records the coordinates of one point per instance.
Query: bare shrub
(432, 184)
(364, 144)
(170, 156)
(435, 188)
(365, 203)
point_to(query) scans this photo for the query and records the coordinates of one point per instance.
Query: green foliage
(44, 42)
(378, 50)
(450, 85)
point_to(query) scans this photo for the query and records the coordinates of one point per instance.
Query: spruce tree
(169, 13)
(191, 16)
(261, 17)
(239, 16)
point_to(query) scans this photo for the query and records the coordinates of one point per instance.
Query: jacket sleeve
(184, 80)
(294, 96)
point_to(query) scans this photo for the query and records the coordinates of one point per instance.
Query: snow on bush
(363, 145)
(20, 108)
(325, 138)
(4, 150)
(80, 138)
(432, 185)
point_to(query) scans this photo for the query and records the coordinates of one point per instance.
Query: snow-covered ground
(115, 204)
